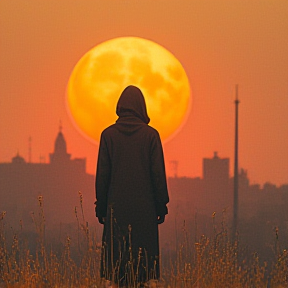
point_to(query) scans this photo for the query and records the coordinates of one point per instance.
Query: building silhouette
(216, 181)
(191, 199)
(61, 183)
(205, 195)
(197, 199)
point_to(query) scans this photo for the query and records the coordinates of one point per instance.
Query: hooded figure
(131, 193)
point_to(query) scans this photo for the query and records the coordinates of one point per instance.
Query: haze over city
(63, 65)
(219, 44)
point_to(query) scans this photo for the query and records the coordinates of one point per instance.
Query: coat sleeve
(158, 176)
(103, 173)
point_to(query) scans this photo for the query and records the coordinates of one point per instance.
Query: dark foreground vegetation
(36, 259)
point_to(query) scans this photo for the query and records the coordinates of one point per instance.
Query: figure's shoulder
(113, 129)
(152, 131)
(108, 130)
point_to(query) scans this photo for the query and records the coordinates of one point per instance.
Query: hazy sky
(219, 43)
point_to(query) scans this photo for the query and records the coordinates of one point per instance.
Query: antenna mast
(174, 164)
(235, 204)
(29, 149)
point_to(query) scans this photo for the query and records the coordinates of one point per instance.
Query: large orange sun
(103, 72)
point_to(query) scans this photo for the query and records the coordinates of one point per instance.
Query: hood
(132, 112)
(132, 102)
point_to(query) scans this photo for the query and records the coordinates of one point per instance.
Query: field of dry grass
(213, 262)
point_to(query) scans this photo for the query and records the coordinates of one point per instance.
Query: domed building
(60, 154)
(60, 183)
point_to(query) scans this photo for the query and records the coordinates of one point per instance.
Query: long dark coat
(131, 191)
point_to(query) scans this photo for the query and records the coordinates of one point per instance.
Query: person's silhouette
(131, 193)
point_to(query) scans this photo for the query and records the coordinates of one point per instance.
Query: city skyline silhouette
(216, 50)
(64, 177)
(67, 194)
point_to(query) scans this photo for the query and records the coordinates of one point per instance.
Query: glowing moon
(102, 73)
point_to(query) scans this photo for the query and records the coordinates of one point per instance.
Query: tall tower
(235, 202)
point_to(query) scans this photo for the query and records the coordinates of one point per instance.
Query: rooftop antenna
(60, 126)
(174, 164)
(235, 201)
(29, 149)
(41, 159)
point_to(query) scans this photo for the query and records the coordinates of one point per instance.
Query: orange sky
(219, 43)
